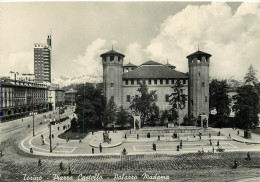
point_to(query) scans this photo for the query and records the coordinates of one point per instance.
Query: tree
(177, 100)
(144, 104)
(219, 100)
(123, 117)
(90, 105)
(110, 113)
(250, 77)
(73, 124)
(246, 106)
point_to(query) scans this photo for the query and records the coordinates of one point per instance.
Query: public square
(186, 164)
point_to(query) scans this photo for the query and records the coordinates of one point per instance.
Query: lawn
(72, 135)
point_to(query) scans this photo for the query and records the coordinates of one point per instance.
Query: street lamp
(50, 136)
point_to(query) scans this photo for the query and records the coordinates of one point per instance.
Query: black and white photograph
(130, 91)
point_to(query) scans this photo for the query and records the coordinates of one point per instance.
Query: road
(8, 129)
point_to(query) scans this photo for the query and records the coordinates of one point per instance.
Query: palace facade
(121, 82)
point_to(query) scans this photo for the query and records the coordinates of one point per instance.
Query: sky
(142, 31)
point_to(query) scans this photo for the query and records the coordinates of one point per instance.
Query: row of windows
(156, 81)
(128, 98)
(112, 58)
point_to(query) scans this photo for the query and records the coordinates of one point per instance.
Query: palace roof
(199, 53)
(112, 52)
(153, 69)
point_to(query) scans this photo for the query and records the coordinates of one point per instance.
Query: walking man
(181, 144)
(248, 156)
(218, 143)
(39, 162)
(100, 148)
(93, 150)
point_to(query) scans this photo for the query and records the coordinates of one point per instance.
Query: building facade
(56, 98)
(70, 97)
(21, 98)
(42, 61)
(121, 82)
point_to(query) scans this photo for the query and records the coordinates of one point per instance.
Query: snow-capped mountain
(65, 81)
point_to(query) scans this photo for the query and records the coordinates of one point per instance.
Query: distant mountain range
(65, 81)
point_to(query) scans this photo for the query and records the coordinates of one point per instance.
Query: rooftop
(129, 65)
(153, 69)
(199, 53)
(112, 52)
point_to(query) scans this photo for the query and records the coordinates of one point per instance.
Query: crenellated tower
(112, 75)
(198, 101)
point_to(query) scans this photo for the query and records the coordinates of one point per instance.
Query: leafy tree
(154, 115)
(110, 113)
(73, 124)
(123, 117)
(90, 105)
(144, 104)
(219, 100)
(177, 100)
(250, 77)
(164, 117)
(246, 106)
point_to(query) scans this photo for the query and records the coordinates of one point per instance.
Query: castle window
(167, 81)
(112, 84)
(184, 81)
(161, 81)
(104, 59)
(206, 99)
(128, 98)
(155, 97)
(203, 84)
(138, 82)
(166, 98)
(126, 82)
(149, 82)
(172, 81)
(155, 82)
(111, 58)
(119, 59)
(132, 82)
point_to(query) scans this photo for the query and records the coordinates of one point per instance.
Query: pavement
(239, 137)
(143, 145)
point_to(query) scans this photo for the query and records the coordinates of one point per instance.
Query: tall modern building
(42, 61)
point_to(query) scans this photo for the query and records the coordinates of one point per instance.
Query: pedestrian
(100, 148)
(43, 143)
(248, 156)
(42, 136)
(58, 128)
(235, 164)
(237, 132)
(52, 135)
(154, 147)
(158, 137)
(61, 165)
(125, 136)
(218, 143)
(210, 143)
(200, 137)
(213, 150)
(39, 162)
(137, 136)
(31, 150)
(229, 136)
(124, 151)
(209, 135)
(181, 144)
(69, 171)
(80, 140)
(93, 150)
(28, 125)
(178, 148)
(22, 120)
(218, 133)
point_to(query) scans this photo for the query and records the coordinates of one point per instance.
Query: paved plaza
(183, 165)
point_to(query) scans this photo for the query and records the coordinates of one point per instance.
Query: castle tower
(112, 75)
(198, 101)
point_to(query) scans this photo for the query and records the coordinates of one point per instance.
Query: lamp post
(50, 136)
